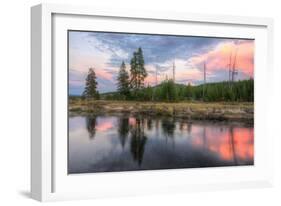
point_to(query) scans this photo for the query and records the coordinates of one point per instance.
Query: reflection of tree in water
(181, 126)
(149, 123)
(168, 127)
(138, 140)
(157, 127)
(204, 136)
(232, 143)
(189, 127)
(123, 130)
(91, 125)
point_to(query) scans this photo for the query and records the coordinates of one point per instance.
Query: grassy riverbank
(221, 111)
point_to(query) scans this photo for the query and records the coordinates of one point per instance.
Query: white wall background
(15, 101)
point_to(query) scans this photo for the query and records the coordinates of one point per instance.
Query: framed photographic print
(137, 102)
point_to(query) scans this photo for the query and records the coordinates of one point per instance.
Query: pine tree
(134, 71)
(141, 69)
(138, 71)
(188, 91)
(90, 90)
(123, 81)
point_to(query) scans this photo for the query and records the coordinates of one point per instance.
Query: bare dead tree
(229, 68)
(174, 68)
(204, 81)
(156, 80)
(234, 71)
(232, 67)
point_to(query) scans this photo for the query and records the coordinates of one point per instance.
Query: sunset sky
(105, 52)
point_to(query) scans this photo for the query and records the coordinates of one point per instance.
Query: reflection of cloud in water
(227, 142)
(104, 126)
(81, 150)
(132, 121)
(105, 123)
(128, 143)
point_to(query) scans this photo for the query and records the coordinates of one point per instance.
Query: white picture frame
(49, 180)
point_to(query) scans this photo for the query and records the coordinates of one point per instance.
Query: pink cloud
(103, 74)
(82, 63)
(192, 74)
(218, 58)
(76, 83)
(150, 80)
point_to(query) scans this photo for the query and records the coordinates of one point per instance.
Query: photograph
(140, 101)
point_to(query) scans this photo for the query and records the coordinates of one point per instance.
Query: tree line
(130, 86)
(168, 91)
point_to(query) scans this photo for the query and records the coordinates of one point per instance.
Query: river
(120, 143)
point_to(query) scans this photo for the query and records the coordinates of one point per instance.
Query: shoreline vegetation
(215, 111)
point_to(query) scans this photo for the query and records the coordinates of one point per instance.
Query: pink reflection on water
(227, 142)
(244, 142)
(132, 121)
(104, 126)
(230, 143)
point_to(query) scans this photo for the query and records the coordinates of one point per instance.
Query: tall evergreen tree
(141, 68)
(90, 90)
(123, 81)
(134, 71)
(188, 91)
(138, 71)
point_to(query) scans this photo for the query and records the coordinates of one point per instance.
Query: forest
(168, 91)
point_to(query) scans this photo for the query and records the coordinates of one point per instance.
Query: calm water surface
(112, 143)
